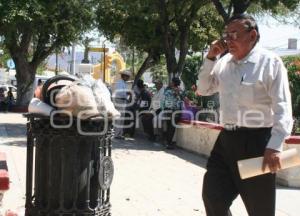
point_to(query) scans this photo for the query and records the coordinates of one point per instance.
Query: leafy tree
(159, 27)
(190, 70)
(159, 71)
(226, 8)
(134, 23)
(33, 29)
(181, 22)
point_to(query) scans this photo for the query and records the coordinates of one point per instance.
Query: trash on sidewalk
(38, 106)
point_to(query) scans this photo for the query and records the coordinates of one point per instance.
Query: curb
(4, 177)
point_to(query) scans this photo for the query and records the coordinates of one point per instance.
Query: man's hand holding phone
(217, 47)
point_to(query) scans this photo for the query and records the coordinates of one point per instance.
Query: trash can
(69, 166)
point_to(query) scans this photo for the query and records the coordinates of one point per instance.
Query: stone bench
(199, 137)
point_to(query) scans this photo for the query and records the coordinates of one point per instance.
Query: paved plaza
(148, 180)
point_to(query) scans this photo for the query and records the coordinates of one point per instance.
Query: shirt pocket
(246, 94)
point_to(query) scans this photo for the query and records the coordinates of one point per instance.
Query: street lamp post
(104, 65)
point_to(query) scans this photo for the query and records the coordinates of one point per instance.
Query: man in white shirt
(120, 100)
(255, 110)
(158, 97)
(151, 119)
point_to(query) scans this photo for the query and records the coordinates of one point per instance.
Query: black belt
(233, 127)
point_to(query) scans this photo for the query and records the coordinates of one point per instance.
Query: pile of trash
(83, 98)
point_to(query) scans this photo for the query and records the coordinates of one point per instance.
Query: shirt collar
(253, 57)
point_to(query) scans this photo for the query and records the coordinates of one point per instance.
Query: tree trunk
(85, 59)
(25, 74)
(149, 62)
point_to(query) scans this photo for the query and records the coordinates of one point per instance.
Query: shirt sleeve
(207, 80)
(121, 89)
(281, 106)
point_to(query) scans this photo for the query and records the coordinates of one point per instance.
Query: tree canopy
(33, 29)
(173, 27)
(159, 27)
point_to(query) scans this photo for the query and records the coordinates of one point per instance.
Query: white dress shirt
(157, 99)
(254, 92)
(121, 89)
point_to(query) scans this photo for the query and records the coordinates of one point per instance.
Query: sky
(275, 35)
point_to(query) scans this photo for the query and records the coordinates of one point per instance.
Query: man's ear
(253, 35)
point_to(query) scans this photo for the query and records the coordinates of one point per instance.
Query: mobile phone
(224, 44)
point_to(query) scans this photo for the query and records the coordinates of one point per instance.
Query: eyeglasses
(230, 35)
(234, 35)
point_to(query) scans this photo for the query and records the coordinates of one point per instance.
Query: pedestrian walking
(255, 110)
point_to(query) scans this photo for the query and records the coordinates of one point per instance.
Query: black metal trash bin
(70, 168)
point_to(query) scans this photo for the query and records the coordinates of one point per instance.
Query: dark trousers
(147, 121)
(171, 126)
(130, 130)
(222, 182)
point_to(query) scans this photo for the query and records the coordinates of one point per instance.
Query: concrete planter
(290, 177)
(200, 137)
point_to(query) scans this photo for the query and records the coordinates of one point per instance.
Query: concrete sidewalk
(148, 180)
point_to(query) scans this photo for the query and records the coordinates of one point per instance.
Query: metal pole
(56, 62)
(104, 66)
(133, 62)
(72, 71)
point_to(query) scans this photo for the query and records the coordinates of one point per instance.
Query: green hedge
(292, 64)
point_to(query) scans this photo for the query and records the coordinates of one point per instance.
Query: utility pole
(56, 62)
(104, 66)
(73, 58)
(133, 60)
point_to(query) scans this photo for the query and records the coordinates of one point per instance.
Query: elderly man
(255, 108)
(150, 119)
(121, 97)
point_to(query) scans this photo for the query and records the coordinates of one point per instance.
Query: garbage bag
(77, 99)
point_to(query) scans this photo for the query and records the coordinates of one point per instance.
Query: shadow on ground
(140, 142)
(15, 130)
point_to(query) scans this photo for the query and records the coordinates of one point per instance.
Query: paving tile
(148, 180)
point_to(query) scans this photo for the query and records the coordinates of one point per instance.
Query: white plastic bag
(78, 99)
(102, 97)
(39, 107)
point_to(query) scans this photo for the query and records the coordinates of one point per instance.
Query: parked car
(6, 87)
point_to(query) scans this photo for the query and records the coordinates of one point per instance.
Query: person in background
(158, 97)
(2, 100)
(121, 99)
(143, 104)
(174, 98)
(10, 100)
(131, 110)
(38, 89)
(150, 119)
(255, 108)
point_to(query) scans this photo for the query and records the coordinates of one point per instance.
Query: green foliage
(140, 23)
(159, 71)
(33, 29)
(59, 21)
(292, 64)
(190, 70)
(134, 21)
(4, 57)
